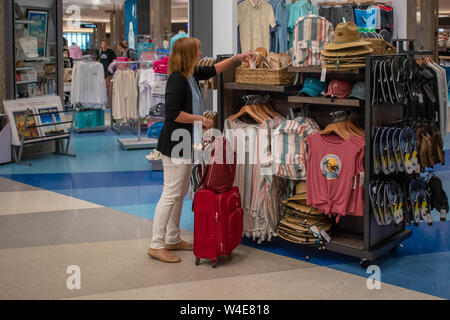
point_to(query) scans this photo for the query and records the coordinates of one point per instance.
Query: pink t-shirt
(75, 52)
(331, 169)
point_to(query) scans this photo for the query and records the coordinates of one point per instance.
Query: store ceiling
(95, 11)
(444, 6)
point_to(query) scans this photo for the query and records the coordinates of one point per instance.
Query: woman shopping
(184, 107)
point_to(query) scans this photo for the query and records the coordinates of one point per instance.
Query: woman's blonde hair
(124, 44)
(184, 56)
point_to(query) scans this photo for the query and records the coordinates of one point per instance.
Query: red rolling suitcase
(218, 224)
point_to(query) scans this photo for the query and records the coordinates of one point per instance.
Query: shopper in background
(68, 61)
(183, 108)
(125, 51)
(106, 56)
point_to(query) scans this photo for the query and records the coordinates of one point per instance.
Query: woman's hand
(207, 124)
(246, 57)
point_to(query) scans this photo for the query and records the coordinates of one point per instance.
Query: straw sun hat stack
(348, 50)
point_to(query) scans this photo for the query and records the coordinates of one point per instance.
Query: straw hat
(346, 35)
(347, 52)
(300, 188)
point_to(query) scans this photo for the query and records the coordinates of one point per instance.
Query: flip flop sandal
(424, 209)
(438, 147)
(415, 201)
(405, 151)
(376, 151)
(423, 150)
(392, 79)
(384, 151)
(380, 202)
(388, 199)
(407, 210)
(387, 77)
(392, 166)
(414, 151)
(398, 203)
(387, 206)
(383, 98)
(429, 149)
(397, 152)
(375, 87)
(374, 202)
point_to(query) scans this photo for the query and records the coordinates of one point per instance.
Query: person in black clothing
(183, 109)
(106, 56)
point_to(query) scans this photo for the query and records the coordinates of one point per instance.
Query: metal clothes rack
(361, 237)
(139, 142)
(78, 110)
(59, 146)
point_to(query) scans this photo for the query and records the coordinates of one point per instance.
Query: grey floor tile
(74, 226)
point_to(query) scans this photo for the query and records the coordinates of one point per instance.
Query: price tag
(421, 98)
(315, 231)
(325, 235)
(323, 76)
(443, 214)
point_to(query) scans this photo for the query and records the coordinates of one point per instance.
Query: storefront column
(427, 25)
(117, 28)
(201, 24)
(160, 19)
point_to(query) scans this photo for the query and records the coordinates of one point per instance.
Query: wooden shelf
(260, 87)
(318, 69)
(325, 101)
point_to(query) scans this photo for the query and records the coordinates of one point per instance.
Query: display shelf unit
(261, 87)
(365, 239)
(325, 101)
(15, 29)
(318, 69)
(60, 148)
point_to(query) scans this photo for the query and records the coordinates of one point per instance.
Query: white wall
(224, 31)
(224, 26)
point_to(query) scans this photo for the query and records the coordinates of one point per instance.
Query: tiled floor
(96, 212)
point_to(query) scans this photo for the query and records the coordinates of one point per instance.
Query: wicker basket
(380, 46)
(264, 76)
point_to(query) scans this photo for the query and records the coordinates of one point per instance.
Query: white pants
(166, 223)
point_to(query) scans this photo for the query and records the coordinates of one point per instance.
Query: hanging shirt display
(88, 84)
(125, 95)
(255, 18)
(279, 34)
(332, 170)
(297, 10)
(366, 20)
(75, 52)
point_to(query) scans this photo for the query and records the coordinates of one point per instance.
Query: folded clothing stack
(301, 223)
(348, 51)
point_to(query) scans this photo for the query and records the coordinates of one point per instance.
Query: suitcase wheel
(197, 261)
(214, 264)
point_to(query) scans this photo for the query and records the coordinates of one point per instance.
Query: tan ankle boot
(183, 245)
(163, 255)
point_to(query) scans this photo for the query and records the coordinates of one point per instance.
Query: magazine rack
(60, 148)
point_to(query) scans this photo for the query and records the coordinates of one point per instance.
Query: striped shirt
(259, 194)
(289, 148)
(311, 34)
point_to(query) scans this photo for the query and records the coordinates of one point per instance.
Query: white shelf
(26, 82)
(25, 68)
